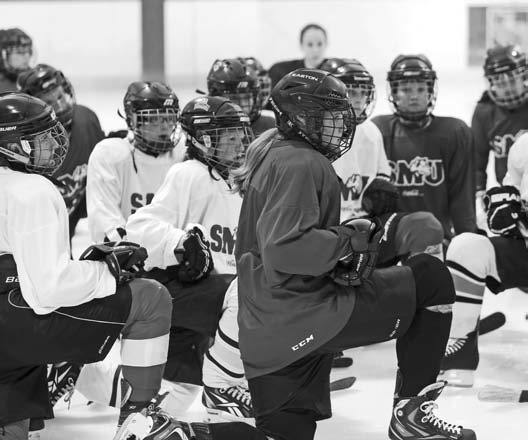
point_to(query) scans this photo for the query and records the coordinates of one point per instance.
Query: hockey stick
(492, 393)
(491, 323)
(342, 384)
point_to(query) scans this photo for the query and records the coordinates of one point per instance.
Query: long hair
(256, 152)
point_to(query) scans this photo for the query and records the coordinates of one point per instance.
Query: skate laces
(429, 417)
(241, 394)
(451, 349)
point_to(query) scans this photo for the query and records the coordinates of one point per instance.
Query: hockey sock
(469, 295)
(421, 349)
(145, 381)
(222, 364)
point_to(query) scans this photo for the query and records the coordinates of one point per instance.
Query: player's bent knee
(423, 234)
(474, 252)
(434, 284)
(151, 306)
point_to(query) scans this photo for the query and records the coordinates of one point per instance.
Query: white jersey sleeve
(153, 225)
(35, 232)
(103, 192)
(517, 174)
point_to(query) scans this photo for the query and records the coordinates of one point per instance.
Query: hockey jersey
(432, 169)
(121, 179)
(188, 195)
(34, 229)
(495, 129)
(85, 133)
(365, 161)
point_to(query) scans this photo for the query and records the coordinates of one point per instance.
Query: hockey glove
(380, 197)
(196, 260)
(504, 210)
(358, 265)
(124, 259)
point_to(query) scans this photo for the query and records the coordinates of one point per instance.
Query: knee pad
(421, 233)
(433, 281)
(150, 311)
(473, 252)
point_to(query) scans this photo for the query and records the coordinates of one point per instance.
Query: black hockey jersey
(432, 168)
(496, 129)
(85, 133)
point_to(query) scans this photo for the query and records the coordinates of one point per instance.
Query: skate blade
(136, 425)
(219, 416)
(458, 378)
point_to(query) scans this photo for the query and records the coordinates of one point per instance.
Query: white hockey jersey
(188, 195)
(34, 229)
(359, 166)
(122, 179)
(517, 174)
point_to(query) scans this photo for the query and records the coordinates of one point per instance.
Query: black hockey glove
(357, 266)
(196, 261)
(125, 260)
(380, 197)
(504, 210)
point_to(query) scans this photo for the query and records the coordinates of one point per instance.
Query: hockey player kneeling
(499, 262)
(63, 309)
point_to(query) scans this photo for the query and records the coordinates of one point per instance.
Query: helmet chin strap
(421, 123)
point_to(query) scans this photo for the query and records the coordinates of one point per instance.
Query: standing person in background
(83, 128)
(235, 80)
(501, 115)
(16, 51)
(313, 41)
(430, 156)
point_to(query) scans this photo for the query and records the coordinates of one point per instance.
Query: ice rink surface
(363, 412)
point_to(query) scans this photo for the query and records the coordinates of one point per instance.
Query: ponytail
(256, 152)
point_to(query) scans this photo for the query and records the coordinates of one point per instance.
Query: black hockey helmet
(152, 113)
(218, 132)
(312, 104)
(50, 85)
(237, 82)
(14, 41)
(408, 69)
(263, 76)
(31, 137)
(506, 70)
(359, 82)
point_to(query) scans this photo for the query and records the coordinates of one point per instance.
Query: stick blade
(342, 384)
(493, 393)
